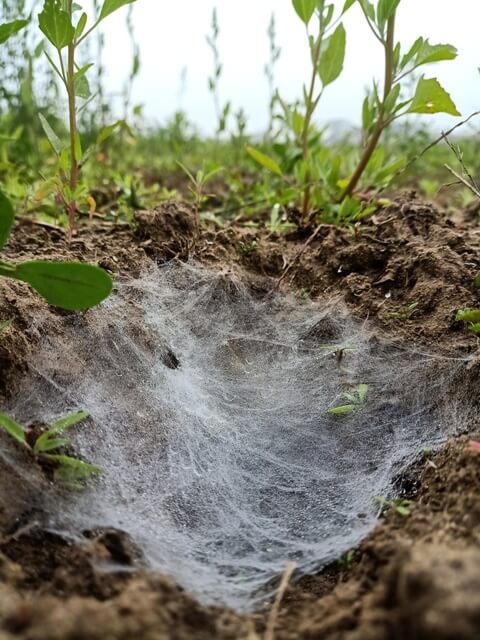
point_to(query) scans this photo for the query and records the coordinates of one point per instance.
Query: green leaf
(468, 315)
(46, 443)
(304, 9)
(7, 216)
(56, 24)
(109, 6)
(386, 9)
(73, 472)
(82, 23)
(66, 422)
(476, 282)
(13, 429)
(107, 132)
(82, 86)
(342, 410)
(55, 142)
(362, 391)
(69, 285)
(431, 97)
(264, 160)
(347, 5)
(428, 53)
(475, 328)
(333, 56)
(8, 29)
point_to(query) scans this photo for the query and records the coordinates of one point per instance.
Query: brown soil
(416, 576)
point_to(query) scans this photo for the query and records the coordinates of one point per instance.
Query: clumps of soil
(415, 576)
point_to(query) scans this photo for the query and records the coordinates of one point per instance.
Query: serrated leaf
(264, 160)
(56, 24)
(12, 428)
(69, 285)
(428, 53)
(431, 97)
(67, 421)
(8, 29)
(52, 137)
(304, 9)
(333, 56)
(109, 6)
(7, 216)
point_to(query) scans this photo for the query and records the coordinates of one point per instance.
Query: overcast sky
(172, 37)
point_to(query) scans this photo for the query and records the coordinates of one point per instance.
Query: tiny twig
(274, 611)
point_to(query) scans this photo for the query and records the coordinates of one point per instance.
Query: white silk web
(210, 421)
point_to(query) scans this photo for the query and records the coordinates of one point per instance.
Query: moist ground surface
(417, 576)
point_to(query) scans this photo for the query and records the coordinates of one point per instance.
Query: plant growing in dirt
(65, 34)
(355, 399)
(198, 183)
(47, 446)
(70, 285)
(471, 317)
(400, 506)
(327, 183)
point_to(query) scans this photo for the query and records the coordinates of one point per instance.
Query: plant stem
(72, 112)
(381, 124)
(311, 106)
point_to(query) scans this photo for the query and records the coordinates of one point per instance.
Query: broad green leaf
(13, 429)
(7, 216)
(55, 142)
(431, 97)
(428, 53)
(8, 29)
(264, 160)
(369, 9)
(342, 410)
(305, 9)
(46, 443)
(333, 56)
(66, 422)
(69, 285)
(107, 132)
(109, 6)
(468, 315)
(56, 24)
(73, 472)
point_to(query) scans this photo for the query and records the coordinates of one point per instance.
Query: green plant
(404, 314)
(69, 285)
(277, 222)
(355, 399)
(222, 111)
(198, 182)
(56, 21)
(47, 447)
(398, 505)
(380, 110)
(471, 317)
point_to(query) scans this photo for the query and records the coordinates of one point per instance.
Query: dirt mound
(408, 269)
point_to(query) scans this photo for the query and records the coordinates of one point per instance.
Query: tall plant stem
(382, 123)
(72, 116)
(311, 105)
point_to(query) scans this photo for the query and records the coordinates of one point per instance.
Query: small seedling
(48, 446)
(304, 293)
(398, 505)
(70, 285)
(347, 559)
(248, 247)
(355, 399)
(404, 314)
(277, 222)
(471, 317)
(197, 187)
